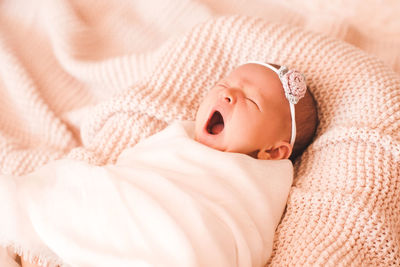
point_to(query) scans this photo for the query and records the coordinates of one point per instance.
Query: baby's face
(246, 112)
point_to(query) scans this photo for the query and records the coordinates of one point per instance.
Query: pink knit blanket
(87, 79)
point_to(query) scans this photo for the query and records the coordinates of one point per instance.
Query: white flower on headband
(294, 84)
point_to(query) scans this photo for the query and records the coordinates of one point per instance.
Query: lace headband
(294, 85)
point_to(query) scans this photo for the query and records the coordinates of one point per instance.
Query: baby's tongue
(217, 128)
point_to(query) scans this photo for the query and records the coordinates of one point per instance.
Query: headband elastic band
(294, 85)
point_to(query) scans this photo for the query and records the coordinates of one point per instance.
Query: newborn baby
(251, 111)
(176, 198)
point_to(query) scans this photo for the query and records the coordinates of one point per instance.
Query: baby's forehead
(254, 75)
(253, 72)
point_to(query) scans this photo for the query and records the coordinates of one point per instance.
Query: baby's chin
(197, 131)
(206, 139)
(202, 139)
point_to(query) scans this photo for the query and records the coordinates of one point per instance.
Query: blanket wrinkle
(87, 79)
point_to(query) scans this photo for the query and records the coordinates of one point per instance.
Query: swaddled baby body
(176, 199)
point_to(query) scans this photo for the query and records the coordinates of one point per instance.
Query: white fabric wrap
(168, 201)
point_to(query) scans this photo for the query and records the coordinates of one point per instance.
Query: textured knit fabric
(87, 79)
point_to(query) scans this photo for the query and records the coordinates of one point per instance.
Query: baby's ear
(280, 151)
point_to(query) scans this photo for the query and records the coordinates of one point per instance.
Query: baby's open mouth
(215, 123)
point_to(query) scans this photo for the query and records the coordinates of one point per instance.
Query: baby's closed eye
(254, 102)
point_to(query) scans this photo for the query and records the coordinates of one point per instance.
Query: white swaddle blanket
(168, 201)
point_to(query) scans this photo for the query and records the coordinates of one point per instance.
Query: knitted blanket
(79, 85)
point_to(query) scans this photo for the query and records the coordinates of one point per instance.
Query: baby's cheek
(238, 137)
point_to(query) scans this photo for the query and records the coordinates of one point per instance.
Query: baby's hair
(306, 123)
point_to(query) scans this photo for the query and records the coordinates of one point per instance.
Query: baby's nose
(229, 96)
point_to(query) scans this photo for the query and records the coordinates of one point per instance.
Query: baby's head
(247, 112)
